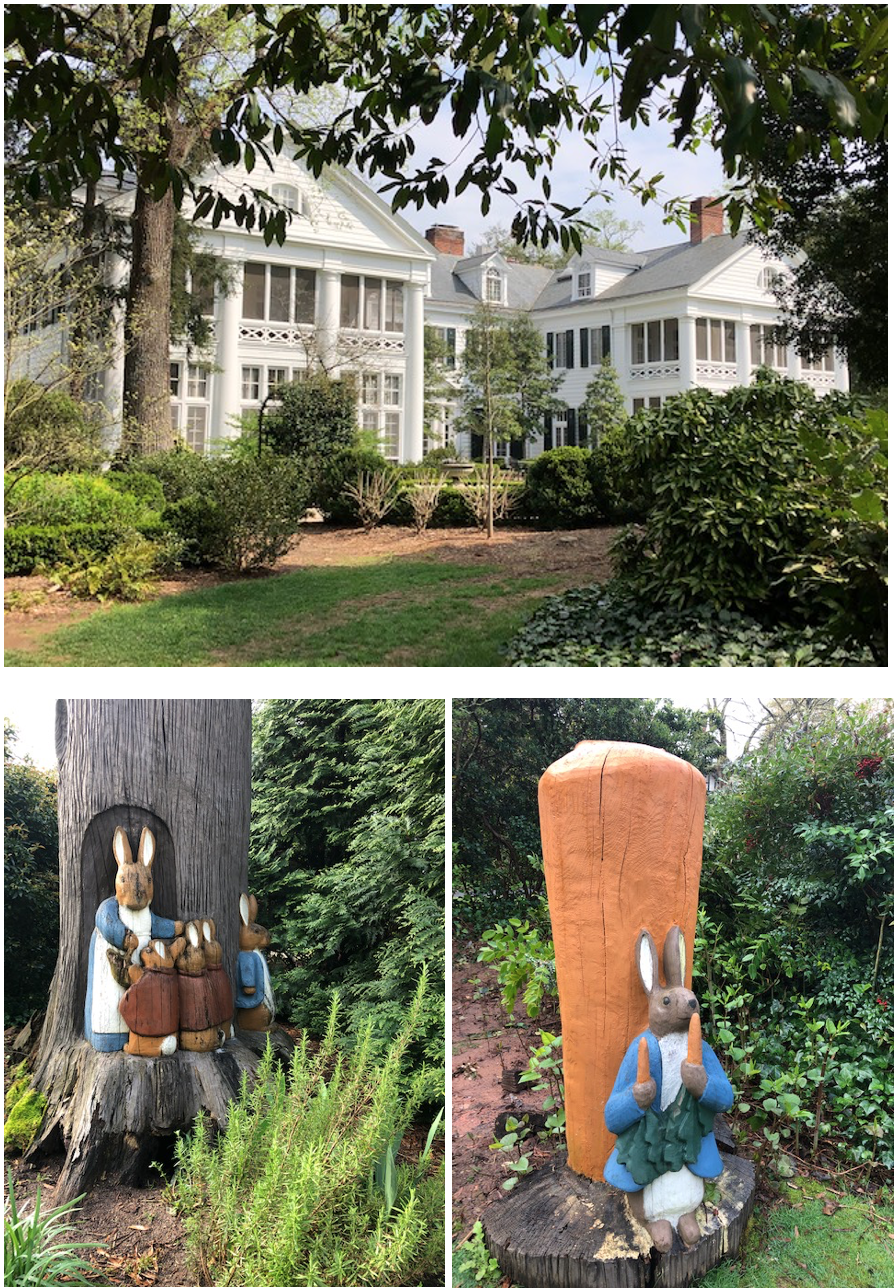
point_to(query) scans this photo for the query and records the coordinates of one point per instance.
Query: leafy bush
(128, 572)
(50, 499)
(315, 418)
(559, 489)
(31, 883)
(742, 486)
(179, 470)
(137, 483)
(238, 514)
(32, 1252)
(522, 960)
(26, 547)
(620, 494)
(343, 467)
(49, 431)
(617, 625)
(352, 794)
(296, 1163)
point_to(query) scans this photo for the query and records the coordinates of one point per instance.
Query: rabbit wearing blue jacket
(663, 1104)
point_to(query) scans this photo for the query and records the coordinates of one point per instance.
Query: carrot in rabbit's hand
(694, 1054)
(642, 1061)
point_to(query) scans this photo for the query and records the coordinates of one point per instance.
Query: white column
(414, 392)
(328, 307)
(842, 375)
(687, 353)
(743, 353)
(228, 381)
(793, 369)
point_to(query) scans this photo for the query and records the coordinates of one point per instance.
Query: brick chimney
(446, 239)
(707, 221)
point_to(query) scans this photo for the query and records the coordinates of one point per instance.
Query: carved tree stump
(562, 1230)
(181, 768)
(622, 851)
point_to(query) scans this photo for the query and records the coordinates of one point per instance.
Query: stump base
(562, 1230)
(110, 1111)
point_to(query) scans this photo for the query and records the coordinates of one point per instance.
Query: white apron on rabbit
(107, 992)
(672, 1195)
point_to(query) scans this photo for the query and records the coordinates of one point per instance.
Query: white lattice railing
(356, 344)
(717, 371)
(266, 333)
(655, 371)
(818, 379)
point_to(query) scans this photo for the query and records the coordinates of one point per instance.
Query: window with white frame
(493, 286)
(447, 336)
(657, 341)
(276, 376)
(560, 348)
(392, 390)
(391, 436)
(825, 362)
(175, 416)
(175, 379)
(251, 384)
(766, 351)
(380, 392)
(196, 425)
(278, 293)
(768, 277)
(287, 195)
(600, 344)
(369, 390)
(639, 404)
(379, 304)
(196, 382)
(584, 284)
(394, 306)
(715, 340)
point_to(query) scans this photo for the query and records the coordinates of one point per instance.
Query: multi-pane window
(378, 394)
(391, 436)
(560, 348)
(600, 344)
(276, 376)
(640, 403)
(657, 341)
(175, 416)
(251, 384)
(372, 304)
(447, 335)
(369, 389)
(493, 286)
(767, 278)
(276, 293)
(584, 284)
(197, 382)
(765, 351)
(392, 390)
(394, 306)
(175, 379)
(196, 424)
(287, 196)
(364, 297)
(825, 362)
(715, 340)
(350, 300)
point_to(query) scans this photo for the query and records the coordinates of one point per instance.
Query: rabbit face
(133, 883)
(251, 935)
(672, 1006)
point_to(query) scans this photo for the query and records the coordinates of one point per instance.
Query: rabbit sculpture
(151, 1005)
(254, 993)
(218, 982)
(668, 1089)
(198, 1030)
(125, 924)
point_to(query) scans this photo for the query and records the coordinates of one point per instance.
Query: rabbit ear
(647, 961)
(146, 852)
(160, 949)
(193, 935)
(243, 909)
(208, 930)
(674, 957)
(253, 907)
(121, 847)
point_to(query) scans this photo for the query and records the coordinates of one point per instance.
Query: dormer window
(584, 284)
(284, 194)
(493, 286)
(767, 278)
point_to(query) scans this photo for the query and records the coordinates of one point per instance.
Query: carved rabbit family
(147, 997)
(668, 1089)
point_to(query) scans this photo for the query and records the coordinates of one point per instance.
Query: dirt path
(487, 1043)
(34, 611)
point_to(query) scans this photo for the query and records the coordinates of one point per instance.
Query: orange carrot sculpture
(694, 1055)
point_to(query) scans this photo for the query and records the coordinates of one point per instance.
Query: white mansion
(353, 287)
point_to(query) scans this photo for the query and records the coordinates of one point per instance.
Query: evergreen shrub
(559, 489)
(45, 500)
(332, 475)
(290, 1193)
(27, 547)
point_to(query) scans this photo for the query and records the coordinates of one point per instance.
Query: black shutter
(585, 346)
(549, 348)
(547, 433)
(571, 427)
(477, 447)
(582, 427)
(517, 449)
(606, 342)
(451, 347)
(569, 348)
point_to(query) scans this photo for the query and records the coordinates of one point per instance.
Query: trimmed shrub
(145, 487)
(179, 470)
(45, 500)
(47, 429)
(27, 546)
(315, 417)
(619, 493)
(613, 625)
(559, 489)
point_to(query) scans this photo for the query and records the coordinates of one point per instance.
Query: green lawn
(384, 613)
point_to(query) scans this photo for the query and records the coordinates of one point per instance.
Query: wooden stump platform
(562, 1230)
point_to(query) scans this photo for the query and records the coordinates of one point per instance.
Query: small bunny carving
(124, 926)
(668, 1089)
(198, 1032)
(151, 1006)
(219, 984)
(254, 992)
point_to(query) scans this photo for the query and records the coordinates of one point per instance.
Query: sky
(650, 148)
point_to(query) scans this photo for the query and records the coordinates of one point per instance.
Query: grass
(380, 613)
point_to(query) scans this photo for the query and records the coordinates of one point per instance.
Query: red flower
(868, 766)
(882, 1003)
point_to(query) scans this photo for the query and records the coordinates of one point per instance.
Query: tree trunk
(181, 768)
(147, 327)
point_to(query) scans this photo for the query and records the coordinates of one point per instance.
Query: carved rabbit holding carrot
(668, 1089)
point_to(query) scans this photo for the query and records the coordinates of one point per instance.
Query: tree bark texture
(561, 1230)
(147, 327)
(181, 768)
(621, 826)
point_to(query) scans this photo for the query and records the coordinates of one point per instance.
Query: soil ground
(34, 610)
(487, 1042)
